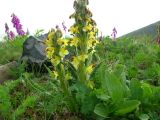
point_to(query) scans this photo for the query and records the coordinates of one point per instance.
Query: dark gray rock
(34, 49)
(34, 54)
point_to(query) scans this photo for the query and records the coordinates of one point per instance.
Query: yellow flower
(91, 35)
(83, 57)
(74, 29)
(55, 60)
(63, 51)
(88, 20)
(50, 51)
(48, 42)
(95, 42)
(89, 69)
(87, 28)
(91, 43)
(74, 41)
(62, 42)
(75, 62)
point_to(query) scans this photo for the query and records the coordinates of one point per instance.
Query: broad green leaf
(113, 86)
(101, 110)
(111, 83)
(126, 107)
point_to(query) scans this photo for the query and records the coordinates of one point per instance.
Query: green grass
(11, 50)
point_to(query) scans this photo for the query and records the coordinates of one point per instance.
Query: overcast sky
(125, 15)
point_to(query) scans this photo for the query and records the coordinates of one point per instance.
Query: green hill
(150, 30)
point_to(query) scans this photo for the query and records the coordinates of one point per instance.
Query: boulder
(34, 53)
(34, 50)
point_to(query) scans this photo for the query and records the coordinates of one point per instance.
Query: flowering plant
(10, 34)
(16, 24)
(72, 58)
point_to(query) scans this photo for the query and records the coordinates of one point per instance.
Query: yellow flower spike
(63, 51)
(55, 60)
(74, 41)
(74, 29)
(50, 51)
(88, 27)
(75, 62)
(83, 57)
(89, 69)
(90, 84)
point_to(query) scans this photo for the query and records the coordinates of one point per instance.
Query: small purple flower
(16, 24)
(64, 27)
(11, 35)
(114, 33)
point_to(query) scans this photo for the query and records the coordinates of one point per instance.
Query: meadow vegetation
(90, 79)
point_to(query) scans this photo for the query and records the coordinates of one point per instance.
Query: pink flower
(16, 23)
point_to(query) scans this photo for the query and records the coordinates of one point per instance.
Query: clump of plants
(92, 88)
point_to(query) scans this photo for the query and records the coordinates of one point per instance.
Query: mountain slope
(150, 30)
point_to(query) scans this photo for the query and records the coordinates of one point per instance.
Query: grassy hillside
(131, 65)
